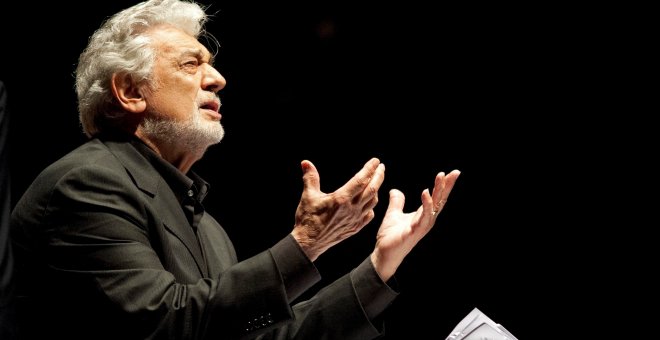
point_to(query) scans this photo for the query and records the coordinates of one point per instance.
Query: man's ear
(127, 93)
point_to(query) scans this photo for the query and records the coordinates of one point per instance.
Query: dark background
(510, 95)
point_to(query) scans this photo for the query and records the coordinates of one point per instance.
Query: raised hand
(323, 220)
(399, 232)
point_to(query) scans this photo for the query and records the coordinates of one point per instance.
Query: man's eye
(191, 63)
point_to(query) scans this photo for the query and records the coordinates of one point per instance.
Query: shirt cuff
(298, 272)
(374, 294)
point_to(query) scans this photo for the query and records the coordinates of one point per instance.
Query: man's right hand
(323, 220)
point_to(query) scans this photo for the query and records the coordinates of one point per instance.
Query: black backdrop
(492, 90)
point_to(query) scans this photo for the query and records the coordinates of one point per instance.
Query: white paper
(477, 326)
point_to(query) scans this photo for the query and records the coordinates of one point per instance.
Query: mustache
(207, 98)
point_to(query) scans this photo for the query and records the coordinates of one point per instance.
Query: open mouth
(210, 105)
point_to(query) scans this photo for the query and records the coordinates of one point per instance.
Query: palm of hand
(400, 232)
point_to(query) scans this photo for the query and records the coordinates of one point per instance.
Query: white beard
(195, 133)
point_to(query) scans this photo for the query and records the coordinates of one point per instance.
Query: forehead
(172, 41)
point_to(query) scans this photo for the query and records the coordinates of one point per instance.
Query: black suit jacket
(104, 251)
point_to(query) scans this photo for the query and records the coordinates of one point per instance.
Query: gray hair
(119, 46)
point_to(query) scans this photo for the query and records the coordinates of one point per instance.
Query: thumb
(397, 201)
(311, 180)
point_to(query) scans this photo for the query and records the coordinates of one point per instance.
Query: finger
(311, 180)
(443, 186)
(370, 204)
(377, 180)
(438, 187)
(450, 180)
(438, 191)
(397, 201)
(428, 209)
(361, 180)
(374, 185)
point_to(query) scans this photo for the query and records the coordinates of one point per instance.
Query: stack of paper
(477, 326)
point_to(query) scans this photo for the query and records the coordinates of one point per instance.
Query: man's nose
(213, 80)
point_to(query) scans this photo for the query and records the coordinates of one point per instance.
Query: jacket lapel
(176, 222)
(147, 179)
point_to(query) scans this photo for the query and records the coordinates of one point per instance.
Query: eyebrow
(199, 54)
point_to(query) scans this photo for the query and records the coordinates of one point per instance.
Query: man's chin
(215, 136)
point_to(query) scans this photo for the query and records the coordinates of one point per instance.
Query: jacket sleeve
(345, 309)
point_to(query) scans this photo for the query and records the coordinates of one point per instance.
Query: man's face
(182, 105)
